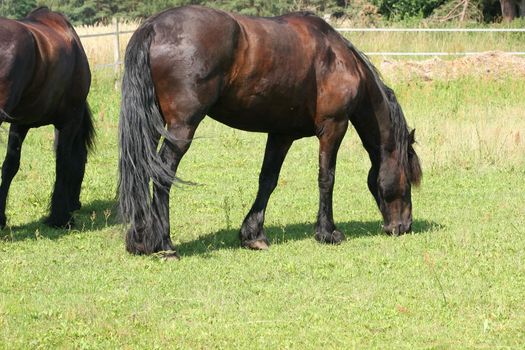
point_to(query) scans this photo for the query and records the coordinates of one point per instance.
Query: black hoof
(335, 237)
(54, 222)
(256, 244)
(168, 250)
(170, 255)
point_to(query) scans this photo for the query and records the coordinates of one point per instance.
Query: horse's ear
(415, 170)
(413, 162)
(412, 137)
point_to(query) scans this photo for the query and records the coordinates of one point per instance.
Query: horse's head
(391, 185)
(395, 164)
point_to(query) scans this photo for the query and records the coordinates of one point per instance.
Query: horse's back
(253, 73)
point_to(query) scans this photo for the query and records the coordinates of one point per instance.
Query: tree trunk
(521, 6)
(508, 9)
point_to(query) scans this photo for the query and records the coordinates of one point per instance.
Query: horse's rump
(45, 68)
(45, 79)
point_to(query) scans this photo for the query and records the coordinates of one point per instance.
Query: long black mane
(403, 138)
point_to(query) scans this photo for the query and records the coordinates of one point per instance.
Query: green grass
(451, 42)
(457, 282)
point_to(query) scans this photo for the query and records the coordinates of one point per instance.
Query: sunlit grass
(437, 42)
(456, 282)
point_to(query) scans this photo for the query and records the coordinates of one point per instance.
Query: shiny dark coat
(291, 76)
(45, 79)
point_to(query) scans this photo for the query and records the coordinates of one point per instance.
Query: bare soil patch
(493, 64)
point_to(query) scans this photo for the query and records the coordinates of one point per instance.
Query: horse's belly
(289, 121)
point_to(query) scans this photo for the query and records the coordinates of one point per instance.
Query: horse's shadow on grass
(93, 216)
(229, 238)
(100, 214)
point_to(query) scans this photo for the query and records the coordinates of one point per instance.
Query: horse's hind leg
(77, 169)
(61, 209)
(252, 231)
(330, 138)
(11, 164)
(171, 153)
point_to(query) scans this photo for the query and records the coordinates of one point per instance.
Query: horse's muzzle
(397, 228)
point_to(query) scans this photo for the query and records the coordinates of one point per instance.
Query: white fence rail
(447, 30)
(117, 33)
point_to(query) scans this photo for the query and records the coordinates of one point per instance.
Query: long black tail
(5, 117)
(140, 128)
(87, 132)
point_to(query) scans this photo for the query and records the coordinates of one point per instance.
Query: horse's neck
(372, 122)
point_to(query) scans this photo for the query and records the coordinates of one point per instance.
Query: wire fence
(118, 33)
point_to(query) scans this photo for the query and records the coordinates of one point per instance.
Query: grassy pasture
(456, 282)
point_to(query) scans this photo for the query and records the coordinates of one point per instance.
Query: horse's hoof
(335, 237)
(59, 223)
(170, 255)
(257, 244)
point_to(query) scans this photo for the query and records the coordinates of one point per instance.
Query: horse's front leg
(330, 136)
(252, 232)
(11, 165)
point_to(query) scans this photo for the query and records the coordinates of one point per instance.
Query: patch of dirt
(493, 64)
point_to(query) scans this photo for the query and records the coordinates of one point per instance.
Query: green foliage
(102, 11)
(16, 8)
(407, 8)
(252, 7)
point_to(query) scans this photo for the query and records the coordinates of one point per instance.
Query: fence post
(116, 52)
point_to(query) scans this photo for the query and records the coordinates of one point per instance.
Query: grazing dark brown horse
(291, 77)
(45, 79)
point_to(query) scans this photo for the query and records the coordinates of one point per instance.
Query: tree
(407, 8)
(16, 8)
(508, 9)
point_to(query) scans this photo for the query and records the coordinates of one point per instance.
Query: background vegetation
(94, 11)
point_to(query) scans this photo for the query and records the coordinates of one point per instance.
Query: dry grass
(101, 50)
(437, 41)
(467, 122)
(454, 130)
